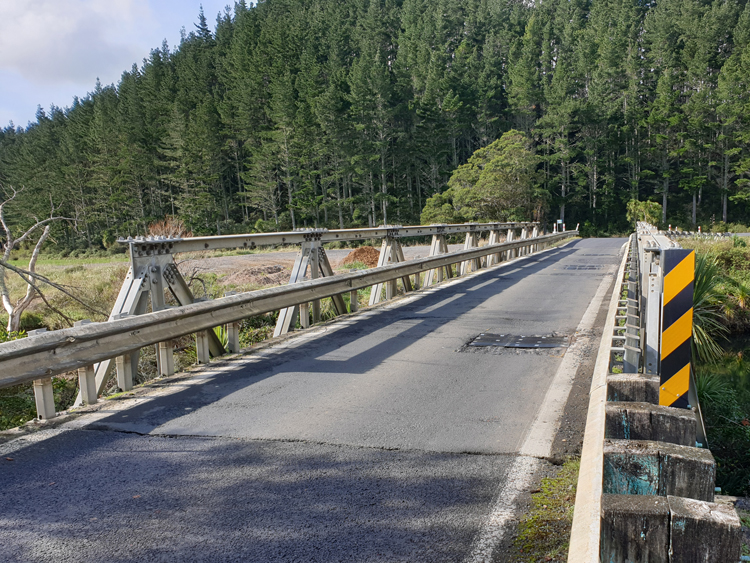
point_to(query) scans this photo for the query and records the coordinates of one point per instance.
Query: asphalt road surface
(377, 438)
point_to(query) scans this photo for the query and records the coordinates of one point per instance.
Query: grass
(51, 261)
(544, 532)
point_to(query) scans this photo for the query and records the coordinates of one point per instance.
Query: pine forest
(288, 114)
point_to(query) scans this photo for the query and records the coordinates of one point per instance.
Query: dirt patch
(365, 254)
(273, 274)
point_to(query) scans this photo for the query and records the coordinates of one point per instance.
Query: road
(376, 438)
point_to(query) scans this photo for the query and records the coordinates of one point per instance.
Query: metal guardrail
(154, 274)
(251, 241)
(41, 356)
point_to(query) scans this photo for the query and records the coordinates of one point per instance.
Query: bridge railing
(154, 274)
(82, 347)
(647, 481)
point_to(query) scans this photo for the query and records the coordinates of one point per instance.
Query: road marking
(538, 442)
(503, 510)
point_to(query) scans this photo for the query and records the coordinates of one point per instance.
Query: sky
(53, 50)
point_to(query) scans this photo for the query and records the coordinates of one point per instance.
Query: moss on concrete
(544, 533)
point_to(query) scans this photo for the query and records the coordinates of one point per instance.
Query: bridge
(411, 430)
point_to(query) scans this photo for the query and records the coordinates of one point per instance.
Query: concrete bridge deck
(375, 438)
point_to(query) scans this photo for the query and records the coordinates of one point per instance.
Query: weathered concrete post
(304, 315)
(493, 259)
(233, 332)
(634, 528)
(469, 243)
(166, 358)
(703, 531)
(87, 384)
(87, 376)
(510, 254)
(353, 301)
(124, 366)
(315, 274)
(44, 396)
(391, 287)
(201, 347)
(127, 365)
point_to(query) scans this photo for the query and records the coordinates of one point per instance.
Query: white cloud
(72, 41)
(51, 50)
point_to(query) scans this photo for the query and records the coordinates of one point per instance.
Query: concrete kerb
(585, 534)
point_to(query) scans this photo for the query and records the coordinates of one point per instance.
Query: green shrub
(726, 414)
(734, 258)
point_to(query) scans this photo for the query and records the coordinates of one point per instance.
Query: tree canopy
(335, 113)
(498, 183)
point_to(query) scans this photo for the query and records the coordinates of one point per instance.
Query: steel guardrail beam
(68, 349)
(252, 241)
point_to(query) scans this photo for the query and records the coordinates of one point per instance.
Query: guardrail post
(166, 358)
(315, 274)
(535, 234)
(87, 376)
(87, 384)
(126, 365)
(524, 250)
(202, 351)
(390, 253)
(391, 287)
(201, 347)
(510, 254)
(233, 332)
(233, 338)
(44, 395)
(439, 246)
(469, 243)
(493, 259)
(353, 301)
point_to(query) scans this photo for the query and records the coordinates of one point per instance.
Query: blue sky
(52, 50)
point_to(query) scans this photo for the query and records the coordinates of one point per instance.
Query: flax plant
(708, 303)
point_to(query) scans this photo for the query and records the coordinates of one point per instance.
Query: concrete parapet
(644, 421)
(634, 528)
(633, 388)
(703, 532)
(638, 467)
(653, 529)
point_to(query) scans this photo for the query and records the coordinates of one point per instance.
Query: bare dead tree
(15, 310)
(35, 280)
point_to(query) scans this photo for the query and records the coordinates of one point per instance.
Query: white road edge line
(538, 442)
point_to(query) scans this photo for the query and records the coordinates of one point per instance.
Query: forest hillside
(335, 113)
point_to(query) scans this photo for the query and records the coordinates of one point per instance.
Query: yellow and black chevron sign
(677, 326)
